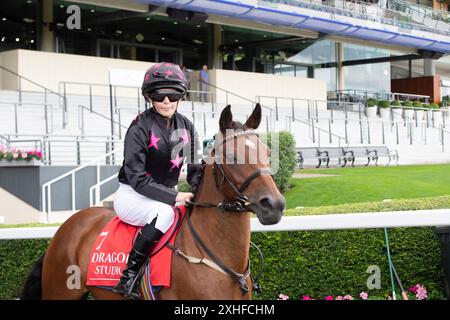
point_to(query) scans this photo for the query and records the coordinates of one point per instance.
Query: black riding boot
(129, 284)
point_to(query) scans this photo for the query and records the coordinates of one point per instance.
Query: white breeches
(136, 209)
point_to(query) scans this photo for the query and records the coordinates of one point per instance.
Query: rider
(156, 145)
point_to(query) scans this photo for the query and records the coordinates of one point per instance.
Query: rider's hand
(182, 197)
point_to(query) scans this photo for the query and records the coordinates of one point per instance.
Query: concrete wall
(250, 85)
(48, 69)
(15, 211)
(10, 60)
(26, 182)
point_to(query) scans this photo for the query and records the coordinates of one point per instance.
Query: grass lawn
(367, 184)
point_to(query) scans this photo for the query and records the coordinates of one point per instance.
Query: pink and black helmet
(163, 75)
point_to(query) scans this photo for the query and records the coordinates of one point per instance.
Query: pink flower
(283, 297)
(39, 154)
(413, 289)
(364, 295)
(306, 298)
(339, 298)
(348, 297)
(24, 155)
(15, 155)
(329, 298)
(421, 292)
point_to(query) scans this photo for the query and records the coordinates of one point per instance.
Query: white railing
(47, 196)
(368, 220)
(96, 188)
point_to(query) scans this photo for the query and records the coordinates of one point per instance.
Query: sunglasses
(159, 97)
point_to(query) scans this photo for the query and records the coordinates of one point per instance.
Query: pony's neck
(226, 234)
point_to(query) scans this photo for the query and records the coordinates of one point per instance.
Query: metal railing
(21, 78)
(361, 10)
(355, 95)
(279, 101)
(403, 131)
(316, 137)
(4, 141)
(71, 149)
(47, 118)
(47, 190)
(418, 12)
(96, 188)
(409, 96)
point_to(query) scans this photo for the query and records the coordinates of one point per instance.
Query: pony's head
(242, 167)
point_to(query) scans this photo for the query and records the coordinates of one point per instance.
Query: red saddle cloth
(110, 251)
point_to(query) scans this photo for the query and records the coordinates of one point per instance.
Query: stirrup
(131, 294)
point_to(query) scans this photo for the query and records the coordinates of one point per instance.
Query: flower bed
(416, 292)
(14, 155)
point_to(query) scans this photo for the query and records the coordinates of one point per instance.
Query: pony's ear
(255, 119)
(226, 118)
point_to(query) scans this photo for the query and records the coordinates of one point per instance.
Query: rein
(240, 203)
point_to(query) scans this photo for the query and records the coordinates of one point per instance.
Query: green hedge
(322, 263)
(16, 260)
(315, 263)
(287, 158)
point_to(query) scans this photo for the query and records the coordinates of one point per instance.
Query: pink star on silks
(169, 72)
(185, 137)
(153, 141)
(176, 162)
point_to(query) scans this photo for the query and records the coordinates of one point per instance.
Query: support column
(47, 35)
(340, 68)
(429, 67)
(217, 41)
(409, 68)
(133, 53)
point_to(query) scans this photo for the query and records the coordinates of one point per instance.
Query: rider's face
(165, 108)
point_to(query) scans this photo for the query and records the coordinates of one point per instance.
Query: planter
(20, 163)
(437, 117)
(385, 114)
(397, 114)
(445, 112)
(419, 115)
(371, 112)
(409, 114)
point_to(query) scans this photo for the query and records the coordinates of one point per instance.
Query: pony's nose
(270, 203)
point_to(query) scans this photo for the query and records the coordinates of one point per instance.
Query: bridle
(240, 203)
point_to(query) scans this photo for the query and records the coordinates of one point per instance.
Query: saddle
(109, 254)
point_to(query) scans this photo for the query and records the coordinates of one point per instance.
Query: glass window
(356, 52)
(371, 77)
(328, 75)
